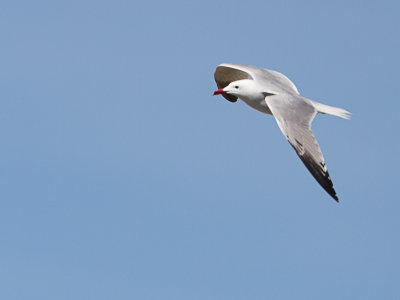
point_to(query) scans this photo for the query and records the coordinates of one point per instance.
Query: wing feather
(294, 116)
(272, 80)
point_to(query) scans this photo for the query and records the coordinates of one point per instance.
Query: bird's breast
(257, 103)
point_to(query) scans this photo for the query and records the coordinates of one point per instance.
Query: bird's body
(273, 93)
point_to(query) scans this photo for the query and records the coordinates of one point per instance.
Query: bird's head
(245, 88)
(236, 88)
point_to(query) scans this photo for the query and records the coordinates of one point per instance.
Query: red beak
(219, 91)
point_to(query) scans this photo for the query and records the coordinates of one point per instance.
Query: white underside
(258, 104)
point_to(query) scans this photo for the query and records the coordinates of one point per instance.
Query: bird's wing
(294, 116)
(273, 80)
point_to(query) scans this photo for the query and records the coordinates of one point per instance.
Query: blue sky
(123, 178)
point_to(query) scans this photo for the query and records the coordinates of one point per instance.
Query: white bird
(273, 93)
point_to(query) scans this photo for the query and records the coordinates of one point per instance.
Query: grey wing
(294, 116)
(272, 80)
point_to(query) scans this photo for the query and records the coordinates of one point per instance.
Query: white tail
(336, 111)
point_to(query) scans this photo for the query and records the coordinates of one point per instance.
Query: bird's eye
(236, 86)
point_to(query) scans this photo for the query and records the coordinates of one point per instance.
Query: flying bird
(273, 93)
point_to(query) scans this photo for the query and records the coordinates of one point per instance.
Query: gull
(273, 93)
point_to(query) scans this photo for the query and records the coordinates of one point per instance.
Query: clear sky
(122, 177)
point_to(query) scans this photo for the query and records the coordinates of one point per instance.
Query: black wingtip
(330, 189)
(319, 172)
